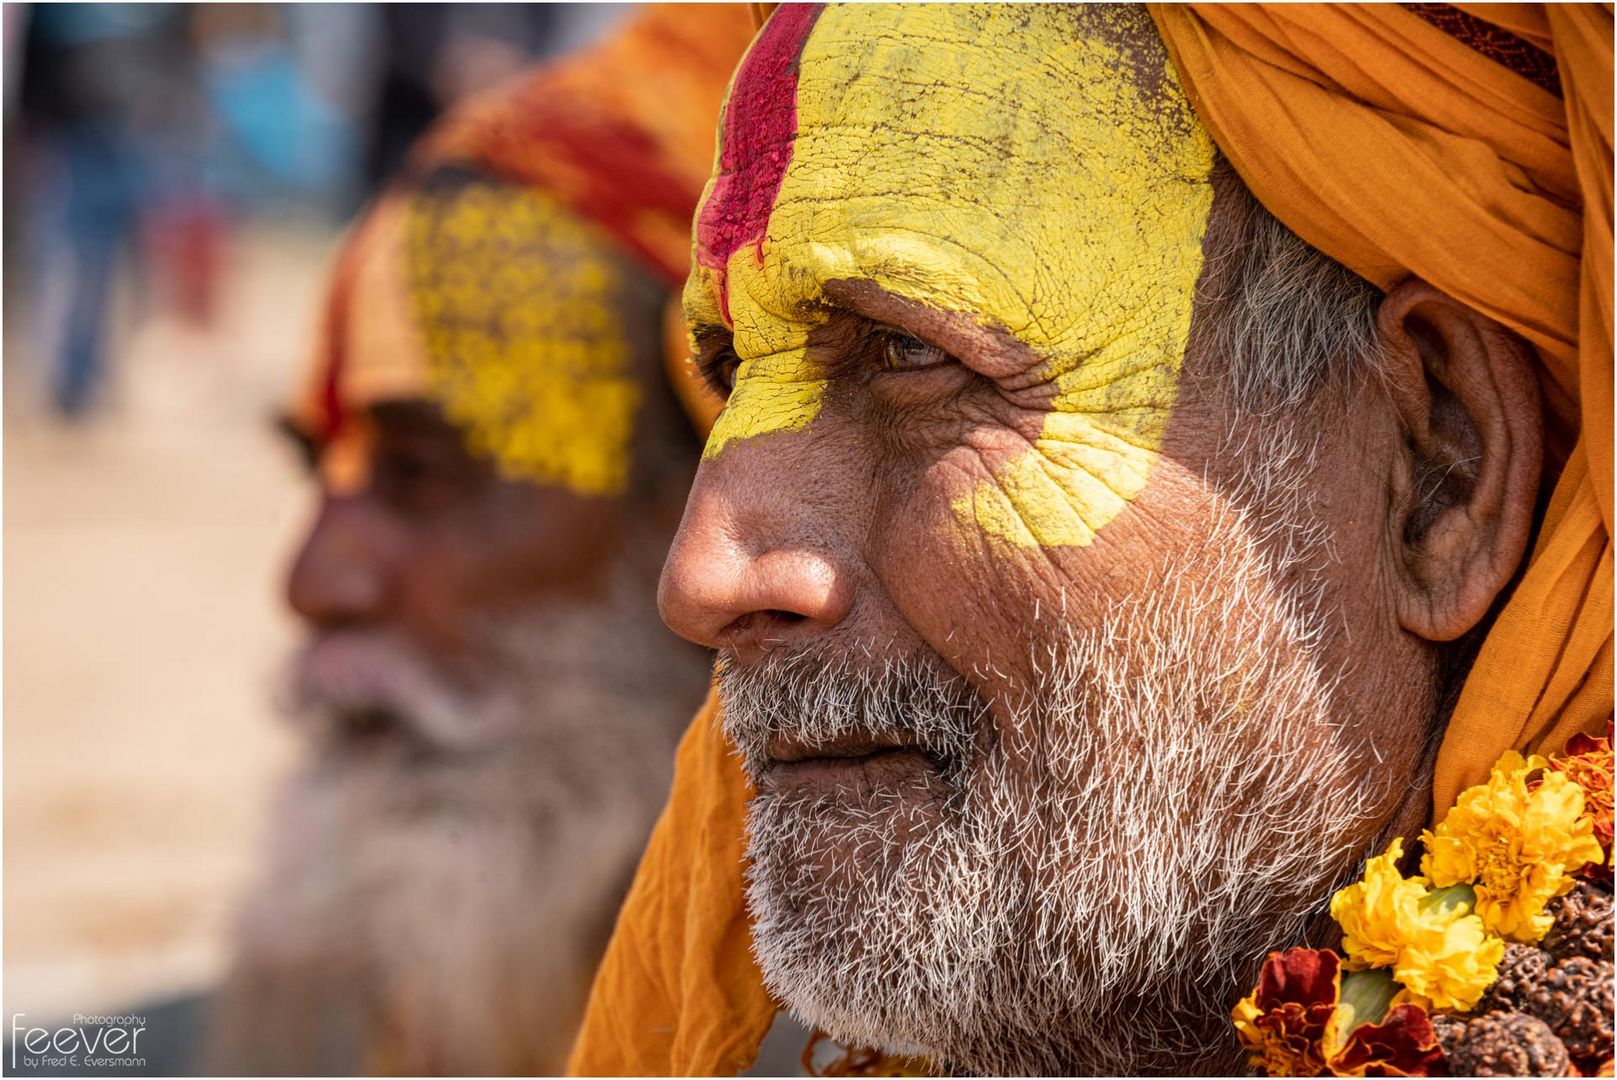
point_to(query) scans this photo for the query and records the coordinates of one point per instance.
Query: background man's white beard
(439, 899)
(452, 925)
(1168, 804)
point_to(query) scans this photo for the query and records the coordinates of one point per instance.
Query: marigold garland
(1425, 950)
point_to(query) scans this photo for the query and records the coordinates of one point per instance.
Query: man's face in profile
(474, 468)
(489, 709)
(489, 700)
(419, 589)
(1058, 675)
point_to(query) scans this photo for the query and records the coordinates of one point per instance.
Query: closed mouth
(374, 729)
(852, 761)
(852, 746)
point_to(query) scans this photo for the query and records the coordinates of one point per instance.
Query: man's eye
(900, 352)
(417, 482)
(720, 369)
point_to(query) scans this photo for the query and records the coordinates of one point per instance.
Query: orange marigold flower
(1587, 762)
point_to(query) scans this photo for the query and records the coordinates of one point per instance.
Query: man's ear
(1467, 476)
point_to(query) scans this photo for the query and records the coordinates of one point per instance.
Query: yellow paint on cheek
(998, 161)
(517, 303)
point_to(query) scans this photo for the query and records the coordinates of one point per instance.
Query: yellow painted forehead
(1002, 160)
(1035, 168)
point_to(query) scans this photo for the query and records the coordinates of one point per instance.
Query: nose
(755, 565)
(340, 576)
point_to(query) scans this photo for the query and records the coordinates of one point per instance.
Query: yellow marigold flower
(1377, 914)
(1517, 842)
(1451, 959)
(1435, 947)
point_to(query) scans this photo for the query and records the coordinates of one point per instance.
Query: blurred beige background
(207, 155)
(143, 553)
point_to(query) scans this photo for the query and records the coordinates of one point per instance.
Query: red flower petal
(1403, 1044)
(1296, 997)
(1300, 976)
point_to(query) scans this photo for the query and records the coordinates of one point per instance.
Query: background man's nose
(745, 572)
(340, 576)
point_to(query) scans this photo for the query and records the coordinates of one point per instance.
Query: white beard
(438, 894)
(1102, 871)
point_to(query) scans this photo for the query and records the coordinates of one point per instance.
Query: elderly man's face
(411, 586)
(490, 707)
(490, 702)
(476, 498)
(1067, 688)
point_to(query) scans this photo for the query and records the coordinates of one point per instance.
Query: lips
(847, 769)
(851, 746)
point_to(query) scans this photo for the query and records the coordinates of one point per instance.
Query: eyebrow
(713, 341)
(704, 331)
(957, 333)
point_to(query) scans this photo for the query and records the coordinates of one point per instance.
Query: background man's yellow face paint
(996, 161)
(525, 349)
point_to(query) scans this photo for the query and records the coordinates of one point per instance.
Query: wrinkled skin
(876, 409)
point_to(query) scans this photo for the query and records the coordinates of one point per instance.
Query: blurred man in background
(489, 699)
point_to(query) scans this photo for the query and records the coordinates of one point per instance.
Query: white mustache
(815, 698)
(343, 678)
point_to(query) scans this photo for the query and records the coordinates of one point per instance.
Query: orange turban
(605, 150)
(1467, 145)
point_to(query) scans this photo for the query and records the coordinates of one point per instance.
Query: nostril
(759, 626)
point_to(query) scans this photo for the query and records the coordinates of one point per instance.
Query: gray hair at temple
(1291, 322)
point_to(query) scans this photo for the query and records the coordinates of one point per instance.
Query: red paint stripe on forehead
(334, 342)
(760, 122)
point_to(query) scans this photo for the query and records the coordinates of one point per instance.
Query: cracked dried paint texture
(517, 304)
(1000, 162)
(777, 386)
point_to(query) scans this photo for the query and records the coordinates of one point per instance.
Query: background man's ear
(1464, 491)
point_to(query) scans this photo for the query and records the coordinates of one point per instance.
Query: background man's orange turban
(611, 143)
(1468, 145)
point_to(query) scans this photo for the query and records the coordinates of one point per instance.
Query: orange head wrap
(592, 164)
